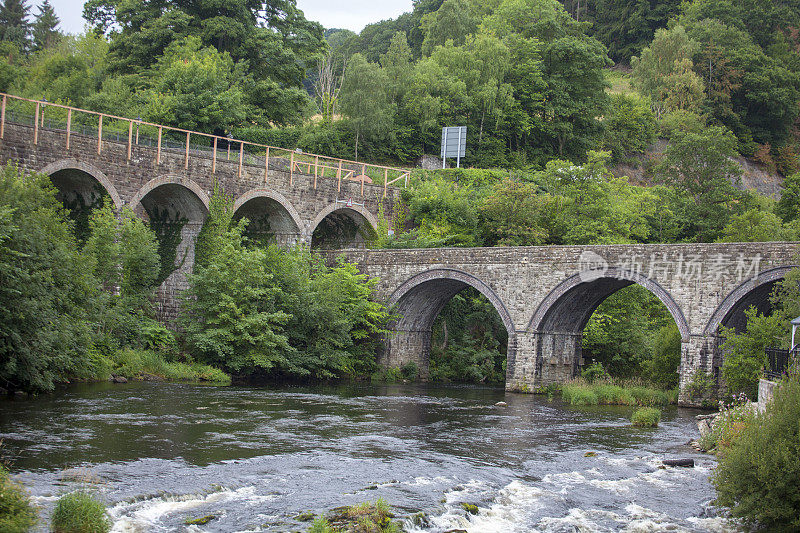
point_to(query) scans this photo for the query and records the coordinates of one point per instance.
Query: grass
(646, 417)
(580, 392)
(620, 82)
(362, 518)
(17, 515)
(80, 512)
(139, 364)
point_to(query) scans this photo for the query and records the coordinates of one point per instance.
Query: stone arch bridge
(546, 295)
(172, 174)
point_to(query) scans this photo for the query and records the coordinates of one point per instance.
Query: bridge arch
(417, 303)
(72, 170)
(170, 180)
(753, 292)
(569, 306)
(268, 208)
(338, 214)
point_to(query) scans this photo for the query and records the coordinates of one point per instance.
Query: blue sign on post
(454, 143)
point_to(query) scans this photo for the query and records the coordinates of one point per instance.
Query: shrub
(16, 512)
(80, 512)
(757, 475)
(136, 363)
(646, 417)
(728, 425)
(410, 371)
(595, 372)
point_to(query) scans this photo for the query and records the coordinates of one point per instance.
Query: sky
(349, 14)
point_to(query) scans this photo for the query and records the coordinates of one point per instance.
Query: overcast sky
(350, 14)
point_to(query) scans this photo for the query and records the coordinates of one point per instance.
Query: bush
(80, 512)
(410, 371)
(757, 475)
(728, 425)
(646, 417)
(595, 372)
(575, 394)
(16, 512)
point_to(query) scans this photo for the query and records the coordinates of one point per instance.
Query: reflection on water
(256, 457)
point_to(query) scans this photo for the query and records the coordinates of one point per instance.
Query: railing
(778, 361)
(136, 132)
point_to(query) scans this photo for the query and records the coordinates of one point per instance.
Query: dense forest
(556, 96)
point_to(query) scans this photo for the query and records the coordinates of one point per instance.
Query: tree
(195, 88)
(14, 25)
(364, 100)
(745, 355)
(45, 27)
(47, 290)
(756, 225)
(630, 126)
(626, 27)
(788, 207)
(509, 216)
(451, 22)
(700, 167)
(664, 72)
(271, 42)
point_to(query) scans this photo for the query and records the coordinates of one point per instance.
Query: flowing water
(255, 458)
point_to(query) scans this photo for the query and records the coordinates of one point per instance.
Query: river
(255, 458)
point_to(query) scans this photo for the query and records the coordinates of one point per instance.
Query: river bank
(159, 454)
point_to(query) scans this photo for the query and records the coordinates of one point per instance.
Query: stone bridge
(291, 194)
(546, 295)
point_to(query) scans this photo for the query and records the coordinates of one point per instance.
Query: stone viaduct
(545, 296)
(294, 193)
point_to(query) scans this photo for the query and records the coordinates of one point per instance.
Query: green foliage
(701, 387)
(268, 310)
(580, 392)
(727, 427)
(630, 126)
(756, 476)
(595, 372)
(663, 367)
(80, 512)
(17, 514)
(745, 356)
(468, 341)
(699, 167)
(788, 207)
(47, 291)
(364, 517)
(646, 417)
(364, 99)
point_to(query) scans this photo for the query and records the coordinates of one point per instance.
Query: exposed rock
(705, 423)
(20, 395)
(501, 404)
(590, 454)
(685, 463)
(429, 162)
(119, 379)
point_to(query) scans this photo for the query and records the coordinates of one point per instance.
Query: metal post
(444, 149)
(291, 169)
(214, 157)
(158, 150)
(138, 122)
(385, 180)
(130, 138)
(186, 156)
(458, 150)
(100, 135)
(363, 175)
(266, 166)
(316, 166)
(36, 125)
(69, 125)
(241, 157)
(3, 118)
(339, 177)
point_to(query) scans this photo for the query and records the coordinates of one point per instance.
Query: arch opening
(80, 193)
(755, 293)
(176, 214)
(269, 221)
(452, 326)
(629, 323)
(343, 227)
